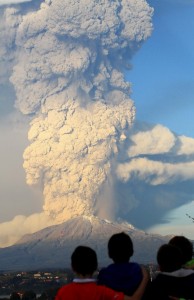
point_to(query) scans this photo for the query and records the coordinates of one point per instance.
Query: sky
(160, 149)
(163, 84)
(165, 62)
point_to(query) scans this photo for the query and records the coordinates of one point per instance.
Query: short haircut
(29, 295)
(84, 260)
(15, 296)
(184, 245)
(120, 247)
(169, 258)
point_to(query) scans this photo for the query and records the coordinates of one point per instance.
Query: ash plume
(63, 64)
(67, 61)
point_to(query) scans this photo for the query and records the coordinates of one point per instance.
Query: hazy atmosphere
(96, 114)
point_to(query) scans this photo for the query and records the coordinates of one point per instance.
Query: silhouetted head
(15, 296)
(184, 245)
(29, 295)
(120, 247)
(169, 258)
(84, 261)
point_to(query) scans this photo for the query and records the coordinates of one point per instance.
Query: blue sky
(163, 70)
(163, 83)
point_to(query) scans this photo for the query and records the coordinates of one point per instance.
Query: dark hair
(169, 258)
(15, 296)
(29, 295)
(120, 247)
(184, 245)
(84, 260)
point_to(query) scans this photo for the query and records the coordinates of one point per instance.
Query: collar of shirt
(83, 280)
(179, 273)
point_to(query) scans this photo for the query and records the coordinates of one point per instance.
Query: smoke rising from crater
(68, 65)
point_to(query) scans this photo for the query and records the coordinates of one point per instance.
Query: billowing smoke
(158, 157)
(147, 164)
(156, 174)
(68, 59)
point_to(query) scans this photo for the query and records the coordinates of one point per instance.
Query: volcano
(52, 247)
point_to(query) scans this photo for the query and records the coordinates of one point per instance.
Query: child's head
(84, 261)
(169, 258)
(184, 245)
(120, 247)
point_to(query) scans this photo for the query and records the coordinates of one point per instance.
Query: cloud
(156, 172)
(8, 2)
(66, 62)
(186, 145)
(10, 19)
(11, 232)
(158, 156)
(155, 141)
(71, 156)
(67, 72)
(156, 178)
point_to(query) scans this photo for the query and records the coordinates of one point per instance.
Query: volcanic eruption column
(68, 76)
